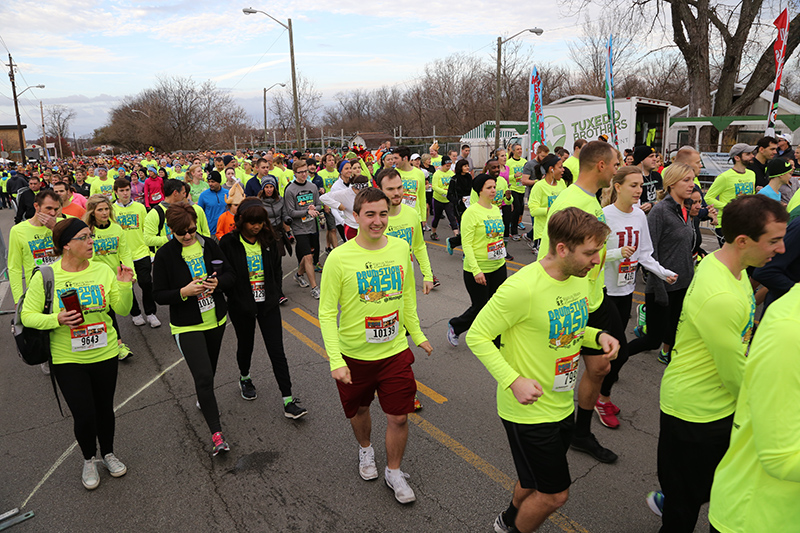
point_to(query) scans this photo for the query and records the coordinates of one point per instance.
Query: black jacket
(240, 293)
(25, 208)
(783, 271)
(171, 274)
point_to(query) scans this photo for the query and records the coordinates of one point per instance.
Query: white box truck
(639, 121)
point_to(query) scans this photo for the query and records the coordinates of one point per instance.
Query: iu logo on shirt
(628, 237)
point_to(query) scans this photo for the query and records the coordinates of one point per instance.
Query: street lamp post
(16, 107)
(288, 26)
(500, 42)
(266, 141)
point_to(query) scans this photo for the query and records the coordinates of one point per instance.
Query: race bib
(382, 328)
(156, 197)
(89, 337)
(496, 250)
(465, 200)
(627, 273)
(206, 302)
(410, 200)
(566, 373)
(258, 290)
(43, 256)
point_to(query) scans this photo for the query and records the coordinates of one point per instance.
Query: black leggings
(269, 321)
(444, 208)
(623, 305)
(479, 296)
(662, 322)
(145, 282)
(506, 210)
(88, 390)
(516, 212)
(607, 317)
(200, 349)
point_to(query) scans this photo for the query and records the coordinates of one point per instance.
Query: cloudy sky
(91, 53)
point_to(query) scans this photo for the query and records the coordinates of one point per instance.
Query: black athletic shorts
(330, 222)
(540, 454)
(599, 319)
(306, 244)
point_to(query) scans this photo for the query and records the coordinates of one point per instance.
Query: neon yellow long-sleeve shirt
(406, 226)
(29, 246)
(482, 239)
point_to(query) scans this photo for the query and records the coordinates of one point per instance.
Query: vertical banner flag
(535, 112)
(610, 94)
(782, 23)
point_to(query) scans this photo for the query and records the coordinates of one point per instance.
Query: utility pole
(266, 141)
(16, 109)
(44, 131)
(294, 83)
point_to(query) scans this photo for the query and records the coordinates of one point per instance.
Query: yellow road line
(424, 389)
(497, 475)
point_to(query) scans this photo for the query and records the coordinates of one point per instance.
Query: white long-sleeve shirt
(628, 229)
(344, 197)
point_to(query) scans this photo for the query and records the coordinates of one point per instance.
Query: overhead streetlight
(500, 42)
(266, 140)
(16, 107)
(140, 111)
(288, 27)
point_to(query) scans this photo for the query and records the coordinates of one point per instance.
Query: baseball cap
(414, 156)
(741, 148)
(446, 160)
(785, 136)
(778, 167)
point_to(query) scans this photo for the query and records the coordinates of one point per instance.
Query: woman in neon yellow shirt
(83, 343)
(484, 254)
(110, 247)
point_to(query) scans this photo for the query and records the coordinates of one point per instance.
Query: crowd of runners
(204, 235)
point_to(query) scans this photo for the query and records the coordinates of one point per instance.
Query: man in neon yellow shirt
(516, 163)
(732, 183)
(413, 181)
(372, 278)
(757, 483)
(599, 161)
(573, 163)
(103, 184)
(542, 314)
(701, 384)
(30, 243)
(440, 182)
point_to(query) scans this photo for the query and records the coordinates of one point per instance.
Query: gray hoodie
(297, 199)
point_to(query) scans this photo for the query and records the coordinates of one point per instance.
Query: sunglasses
(189, 231)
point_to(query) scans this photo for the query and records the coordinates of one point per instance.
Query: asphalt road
(284, 475)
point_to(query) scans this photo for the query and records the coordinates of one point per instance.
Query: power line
(259, 60)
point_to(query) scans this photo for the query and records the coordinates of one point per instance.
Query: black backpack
(33, 345)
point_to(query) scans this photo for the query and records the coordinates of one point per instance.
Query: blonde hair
(672, 175)
(610, 193)
(91, 205)
(188, 176)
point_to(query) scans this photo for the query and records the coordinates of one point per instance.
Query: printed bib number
(43, 256)
(627, 273)
(410, 200)
(89, 337)
(258, 290)
(566, 373)
(465, 200)
(382, 328)
(206, 302)
(496, 250)
(155, 197)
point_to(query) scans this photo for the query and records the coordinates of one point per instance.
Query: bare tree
(308, 99)
(57, 122)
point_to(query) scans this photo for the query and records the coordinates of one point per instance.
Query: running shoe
(293, 410)
(45, 368)
(397, 482)
(282, 300)
(521, 226)
(315, 292)
(527, 239)
(114, 465)
(500, 525)
(515, 237)
(153, 321)
(417, 403)
(426, 227)
(509, 257)
(248, 389)
(452, 337)
(664, 357)
(434, 236)
(639, 331)
(219, 444)
(124, 352)
(449, 246)
(317, 268)
(328, 249)
(90, 476)
(607, 416)
(435, 282)
(366, 463)
(589, 445)
(301, 281)
(138, 320)
(655, 501)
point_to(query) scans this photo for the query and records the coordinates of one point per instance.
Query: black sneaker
(435, 282)
(248, 389)
(509, 257)
(294, 411)
(589, 445)
(282, 300)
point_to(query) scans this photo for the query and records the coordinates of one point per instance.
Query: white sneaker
(90, 476)
(45, 368)
(138, 320)
(114, 465)
(154, 321)
(301, 281)
(315, 293)
(366, 463)
(397, 482)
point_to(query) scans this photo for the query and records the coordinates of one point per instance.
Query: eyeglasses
(84, 238)
(301, 171)
(189, 231)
